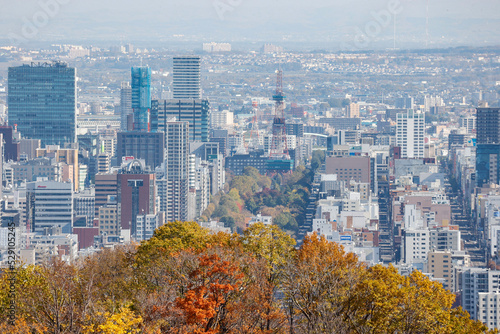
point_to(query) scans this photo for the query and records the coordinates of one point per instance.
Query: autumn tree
(385, 302)
(316, 285)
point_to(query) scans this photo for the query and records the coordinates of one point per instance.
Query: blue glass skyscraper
(42, 102)
(141, 98)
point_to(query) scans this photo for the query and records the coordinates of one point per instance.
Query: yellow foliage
(124, 322)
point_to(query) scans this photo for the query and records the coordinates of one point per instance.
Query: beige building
(352, 110)
(68, 156)
(108, 220)
(441, 267)
(349, 168)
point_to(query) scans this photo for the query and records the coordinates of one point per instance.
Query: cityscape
(234, 184)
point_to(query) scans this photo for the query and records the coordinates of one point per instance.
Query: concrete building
(146, 225)
(474, 282)
(49, 204)
(173, 186)
(349, 168)
(106, 185)
(148, 146)
(186, 77)
(68, 156)
(40, 167)
(441, 267)
(352, 110)
(416, 245)
(216, 47)
(109, 222)
(488, 309)
(136, 195)
(125, 106)
(410, 131)
(194, 111)
(84, 204)
(221, 119)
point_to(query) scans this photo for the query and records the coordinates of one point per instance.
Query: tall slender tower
(141, 97)
(279, 148)
(410, 131)
(125, 105)
(173, 187)
(186, 77)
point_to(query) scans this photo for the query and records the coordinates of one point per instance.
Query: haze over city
(330, 25)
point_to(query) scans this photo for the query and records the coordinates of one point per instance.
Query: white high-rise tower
(410, 133)
(186, 77)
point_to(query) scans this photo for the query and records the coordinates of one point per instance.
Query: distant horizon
(336, 25)
(242, 46)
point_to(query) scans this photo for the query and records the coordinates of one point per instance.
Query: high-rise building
(405, 102)
(410, 134)
(141, 97)
(186, 77)
(142, 145)
(11, 146)
(49, 204)
(125, 105)
(469, 123)
(42, 102)
(488, 125)
(194, 111)
(136, 195)
(474, 282)
(173, 186)
(488, 146)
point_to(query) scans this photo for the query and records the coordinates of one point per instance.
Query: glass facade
(141, 97)
(42, 102)
(194, 111)
(487, 162)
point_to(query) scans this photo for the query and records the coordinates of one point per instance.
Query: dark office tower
(125, 105)
(194, 111)
(296, 129)
(136, 195)
(141, 97)
(186, 77)
(42, 102)
(488, 125)
(173, 187)
(488, 146)
(405, 102)
(141, 145)
(11, 147)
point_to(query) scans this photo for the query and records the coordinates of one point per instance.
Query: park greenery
(188, 280)
(281, 196)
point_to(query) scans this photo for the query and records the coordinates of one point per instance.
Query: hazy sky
(356, 24)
